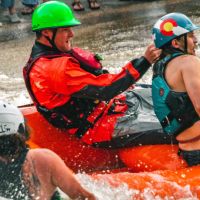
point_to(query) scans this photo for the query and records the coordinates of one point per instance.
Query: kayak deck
(77, 155)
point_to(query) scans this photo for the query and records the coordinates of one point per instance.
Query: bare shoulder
(42, 155)
(190, 60)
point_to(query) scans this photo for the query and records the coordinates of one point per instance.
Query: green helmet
(53, 14)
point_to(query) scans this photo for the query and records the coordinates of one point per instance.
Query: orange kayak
(82, 157)
(156, 170)
(163, 184)
(77, 155)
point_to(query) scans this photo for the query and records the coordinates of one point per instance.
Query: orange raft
(172, 178)
(78, 156)
(163, 184)
(157, 172)
(82, 157)
(161, 174)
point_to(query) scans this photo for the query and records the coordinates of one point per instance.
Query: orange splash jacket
(72, 91)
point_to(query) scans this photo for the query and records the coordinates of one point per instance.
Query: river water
(119, 31)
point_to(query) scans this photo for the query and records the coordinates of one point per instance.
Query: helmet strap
(52, 41)
(184, 37)
(185, 43)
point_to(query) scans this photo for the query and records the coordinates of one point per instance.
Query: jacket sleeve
(83, 84)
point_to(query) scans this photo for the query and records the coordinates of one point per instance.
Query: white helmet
(11, 120)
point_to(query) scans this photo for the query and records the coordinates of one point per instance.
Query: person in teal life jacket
(176, 83)
(72, 91)
(31, 173)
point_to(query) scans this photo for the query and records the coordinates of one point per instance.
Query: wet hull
(163, 184)
(150, 171)
(78, 156)
(81, 157)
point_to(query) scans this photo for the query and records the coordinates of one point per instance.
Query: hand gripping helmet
(11, 120)
(170, 27)
(53, 14)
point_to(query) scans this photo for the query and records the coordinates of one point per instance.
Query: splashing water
(117, 190)
(103, 191)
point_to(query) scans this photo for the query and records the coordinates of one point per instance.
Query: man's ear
(46, 32)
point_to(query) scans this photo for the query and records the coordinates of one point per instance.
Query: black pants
(191, 157)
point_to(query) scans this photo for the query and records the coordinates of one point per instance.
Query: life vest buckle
(167, 120)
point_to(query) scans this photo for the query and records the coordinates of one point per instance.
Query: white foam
(104, 191)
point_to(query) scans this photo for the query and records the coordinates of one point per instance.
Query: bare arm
(50, 172)
(191, 78)
(190, 71)
(64, 178)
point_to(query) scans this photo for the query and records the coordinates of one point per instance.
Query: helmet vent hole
(21, 129)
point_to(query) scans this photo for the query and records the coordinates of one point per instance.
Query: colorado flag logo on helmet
(167, 27)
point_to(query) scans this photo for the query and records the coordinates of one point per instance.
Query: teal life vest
(174, 110)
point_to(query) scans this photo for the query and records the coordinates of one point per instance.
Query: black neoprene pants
(191, 157)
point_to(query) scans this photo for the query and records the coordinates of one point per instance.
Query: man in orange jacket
(72, 91)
